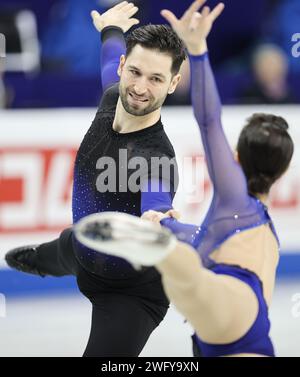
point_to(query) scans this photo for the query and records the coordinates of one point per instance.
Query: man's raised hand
(120, 15)
(194, 26)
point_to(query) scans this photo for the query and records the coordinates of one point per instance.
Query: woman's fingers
(169, 16)
(215, 13)
(195, 21)
(194, 7)
(205, 11)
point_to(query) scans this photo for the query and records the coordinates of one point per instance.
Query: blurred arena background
(50, 87)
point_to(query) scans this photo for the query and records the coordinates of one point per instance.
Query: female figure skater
(226, 293)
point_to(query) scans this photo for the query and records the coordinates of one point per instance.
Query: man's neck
(125, 122)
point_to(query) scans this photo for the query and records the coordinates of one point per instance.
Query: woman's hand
(193, 27)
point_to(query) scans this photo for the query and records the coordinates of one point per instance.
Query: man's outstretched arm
(112, 24)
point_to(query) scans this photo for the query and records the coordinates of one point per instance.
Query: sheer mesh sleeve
(227, 177)
(232, 209)
(184, 232)
(113, 46)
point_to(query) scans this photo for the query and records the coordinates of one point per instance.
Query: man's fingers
(134, 21)
(194, 7)
(95, 15)
(132, 11)
(169, 16)
(127, 7)
(173, 213)
(151, 216)
(121, 5)
(215, 13)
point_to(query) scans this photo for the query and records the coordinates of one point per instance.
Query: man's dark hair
(161, 38)
(265, 150)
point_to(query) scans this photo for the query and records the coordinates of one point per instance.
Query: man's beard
(151, 106)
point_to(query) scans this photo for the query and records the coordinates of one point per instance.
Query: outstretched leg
(55, 258)
(122, 235)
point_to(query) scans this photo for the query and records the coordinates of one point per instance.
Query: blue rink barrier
(14, 283)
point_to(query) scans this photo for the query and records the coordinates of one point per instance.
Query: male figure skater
(128, 304)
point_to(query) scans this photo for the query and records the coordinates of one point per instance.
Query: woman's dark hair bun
(269, 121)
(265, 149)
